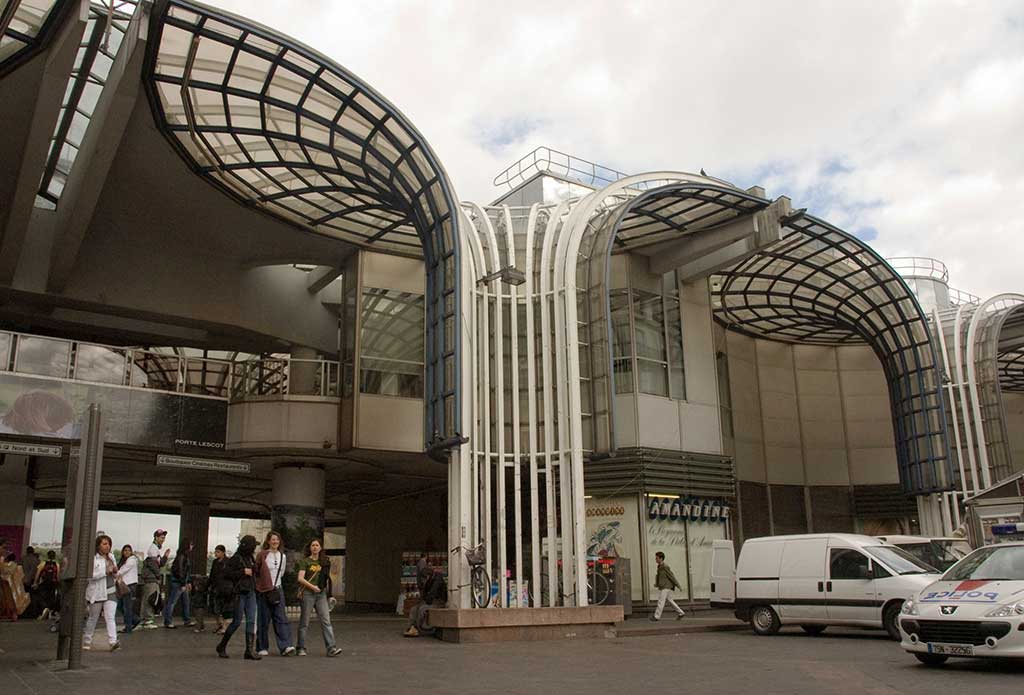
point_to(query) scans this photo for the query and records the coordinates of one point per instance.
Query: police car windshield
(899, 560)
(992, 563)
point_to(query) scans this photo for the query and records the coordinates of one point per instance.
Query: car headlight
(1010, 610)
(909, 607)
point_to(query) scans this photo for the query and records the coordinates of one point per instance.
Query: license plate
(951, 649)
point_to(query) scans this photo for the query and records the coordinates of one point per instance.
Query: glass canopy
(23, 25)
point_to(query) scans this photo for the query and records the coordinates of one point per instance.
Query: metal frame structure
(285, 130)
(25, 28)
(823, 286)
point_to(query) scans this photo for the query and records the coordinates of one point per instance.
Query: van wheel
(813, 629)
(764, 620)
(890, 617)
(931, 659)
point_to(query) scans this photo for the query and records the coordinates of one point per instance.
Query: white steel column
(961, 379)
(531, 409)
(517, 483)
(951, 397)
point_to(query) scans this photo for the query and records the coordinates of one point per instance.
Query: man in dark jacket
(180, 586)
(665, 582)
(433, 595)
(156, 558)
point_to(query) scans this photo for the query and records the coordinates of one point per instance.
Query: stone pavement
(378, 660)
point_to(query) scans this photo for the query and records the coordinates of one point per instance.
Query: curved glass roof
(282, 128)
(821, 285)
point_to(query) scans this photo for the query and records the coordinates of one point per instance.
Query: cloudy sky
(899, 121)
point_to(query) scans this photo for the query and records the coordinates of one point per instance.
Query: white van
(816, 580)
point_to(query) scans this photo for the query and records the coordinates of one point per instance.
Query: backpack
(49, 574)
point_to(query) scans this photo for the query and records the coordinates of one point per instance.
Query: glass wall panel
(391, 347)
(622, 343)
(100, 363)
(43, 356)
(5, 350)
(674, 331)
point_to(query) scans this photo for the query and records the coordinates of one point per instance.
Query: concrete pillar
(17, 499)
(194, 525)
(297, 511)
(302, 378)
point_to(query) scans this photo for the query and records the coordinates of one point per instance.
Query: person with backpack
(180, 587)
(240, 570)
(219, 589)
(100, 594)
(270, 570)
(152, 577)
(128, 573)
(47, 582)
(314, 572)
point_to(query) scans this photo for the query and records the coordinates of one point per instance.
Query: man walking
(181, 586)
(156, 557)
(665, 582)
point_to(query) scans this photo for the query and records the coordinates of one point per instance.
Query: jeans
(315, 602)
(127, 605)
(109, 609)
(245, 605)
(148, 589)
(178, 591)
(275, 614)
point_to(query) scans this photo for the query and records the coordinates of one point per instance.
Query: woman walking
(128, 573)
(314, 572)
(240, 570)
(270, 565)
(99, 594)
(219, 589)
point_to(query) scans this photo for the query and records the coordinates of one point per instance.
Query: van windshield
(899, 560)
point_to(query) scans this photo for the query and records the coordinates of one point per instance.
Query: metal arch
(824, 286)
(1003, 306)
(285, 130)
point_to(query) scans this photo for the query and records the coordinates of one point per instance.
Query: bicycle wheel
(598, 588)
(480, 584)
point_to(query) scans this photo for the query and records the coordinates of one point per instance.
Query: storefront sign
(202, 464)
(687, 509)
(30, 449)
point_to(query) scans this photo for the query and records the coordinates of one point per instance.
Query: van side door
(852, 596)
(802, 580)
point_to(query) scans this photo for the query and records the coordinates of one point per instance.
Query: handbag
(273, 597)
(120, 588)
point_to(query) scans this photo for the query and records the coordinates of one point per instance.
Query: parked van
(816, 580)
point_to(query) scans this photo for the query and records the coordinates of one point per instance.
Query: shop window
(622, 342)
(391, 343)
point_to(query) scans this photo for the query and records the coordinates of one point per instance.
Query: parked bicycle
(598, 588)
(479, 581)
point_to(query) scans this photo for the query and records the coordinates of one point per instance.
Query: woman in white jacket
(100, 594)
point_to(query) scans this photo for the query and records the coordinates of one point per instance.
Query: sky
(899, 122)
(131, 528)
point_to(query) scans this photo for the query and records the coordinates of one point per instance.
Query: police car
(976, 609)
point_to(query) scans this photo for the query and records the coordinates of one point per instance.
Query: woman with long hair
(314, 572)
(128, 573)
(99, 594)
(240, 570)
(270, 564)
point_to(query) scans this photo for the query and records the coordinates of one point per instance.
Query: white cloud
(903, 118)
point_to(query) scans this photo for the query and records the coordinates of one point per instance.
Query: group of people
(29, 587)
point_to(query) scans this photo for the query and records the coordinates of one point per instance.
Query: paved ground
(378, 660)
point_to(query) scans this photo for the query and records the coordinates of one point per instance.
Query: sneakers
(653, 619)
(331, 603)
(301, 652)
(288, 651)
(150, 626)
(86, 646)
(263, 652)
(191, 623)
(170, 626)
(334, 651)
(680, 616)
(114, 646)
(411, 632)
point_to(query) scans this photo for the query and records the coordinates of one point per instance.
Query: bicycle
(479, 581)
(598, 588)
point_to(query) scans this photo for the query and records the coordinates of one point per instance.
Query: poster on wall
(613, 530)
(684, 528)
(51, 408)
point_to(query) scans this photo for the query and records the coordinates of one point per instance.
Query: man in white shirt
(156, 557)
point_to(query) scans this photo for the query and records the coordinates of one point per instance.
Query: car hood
(966, 599)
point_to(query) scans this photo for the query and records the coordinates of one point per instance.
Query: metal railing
(920, 267)
(23, 353)
(958, 297)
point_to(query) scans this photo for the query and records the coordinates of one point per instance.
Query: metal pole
(84, 535)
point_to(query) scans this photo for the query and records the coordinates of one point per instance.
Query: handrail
(208, 377)
(919, 266)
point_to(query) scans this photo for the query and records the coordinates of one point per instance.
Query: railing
(35, 355)
(958, 297)
(920, 267)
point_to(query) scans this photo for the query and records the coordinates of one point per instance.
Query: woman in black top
(240, 570)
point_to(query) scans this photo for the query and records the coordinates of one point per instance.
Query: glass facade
(391, 343)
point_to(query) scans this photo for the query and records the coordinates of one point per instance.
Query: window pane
(676, 371)
(846, 563)
(621, 343)
(5, 350)
(649, 318)
(99, 363)
(652, 377)
(623, 375)
(388, 378)
(392, 325)
(43, 356)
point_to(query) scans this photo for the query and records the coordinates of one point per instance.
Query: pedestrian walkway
(694, 622)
